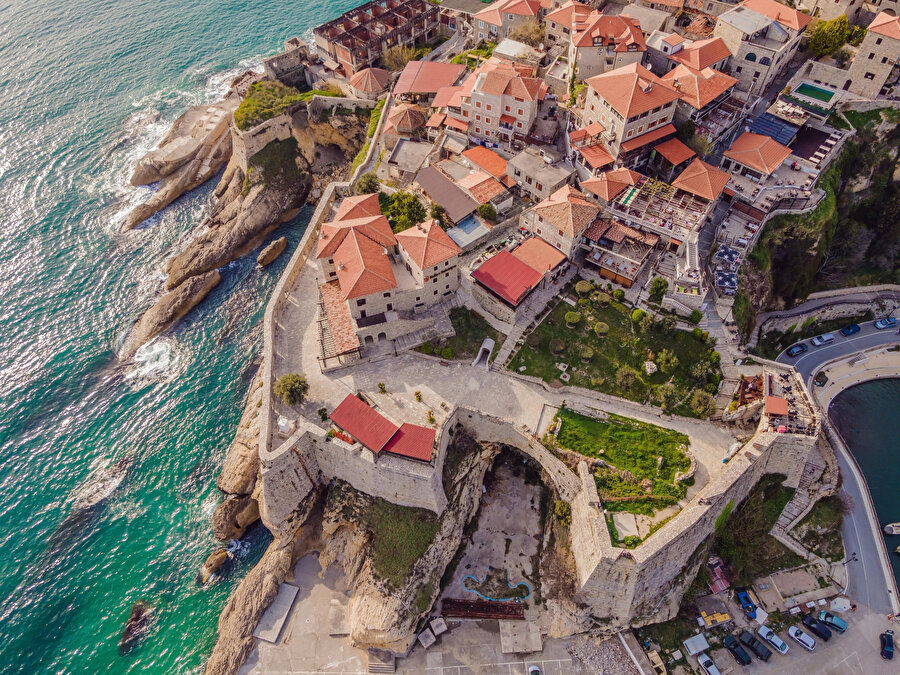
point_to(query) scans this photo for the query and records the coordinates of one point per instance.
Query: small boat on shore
(892, 528)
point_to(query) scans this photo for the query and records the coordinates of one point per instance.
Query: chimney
(340, 266)
(677, 84)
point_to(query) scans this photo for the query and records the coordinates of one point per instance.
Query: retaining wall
(247, 143)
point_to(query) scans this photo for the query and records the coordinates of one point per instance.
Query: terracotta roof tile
(362, 266)
(702, 53)
(405, 118)
(596, 155)
(674, 151)
(508, 277)
(698, 87)
(412, 441)
(761, 153)
(481, 186)
(632, 89)
(436, 120)
(427, 244)
(606, 30)
(343, 329)
(444, 97)
(539, 255)
(358, 206)
(427, 77)
(674, 39)
(611, 184)
(493, 13)
(591, 130)
(703, 180)
(649, 137)
(569, 14)
(568, 210)
(332, 234)
(364, 423)
(370, 80)
(783, 14)
(887, 25)
(617, 232)
(454, 123)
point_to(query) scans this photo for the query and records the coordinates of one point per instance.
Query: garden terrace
(264, 100)
(613, 360)
(642, 461)
(662, 208)
(471, 328)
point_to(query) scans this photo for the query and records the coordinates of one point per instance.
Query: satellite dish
(541, 46)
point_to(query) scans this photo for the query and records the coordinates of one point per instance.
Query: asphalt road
(869, 336)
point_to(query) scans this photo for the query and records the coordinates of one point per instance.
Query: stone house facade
(604, 43)
(537, 177)
(561, 219)
(500, 18)
(503, 105)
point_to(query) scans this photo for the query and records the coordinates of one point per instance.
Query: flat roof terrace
(662, 207)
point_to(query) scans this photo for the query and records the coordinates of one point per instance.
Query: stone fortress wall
(247, 143)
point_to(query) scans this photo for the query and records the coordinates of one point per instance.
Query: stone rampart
(319, 104)
(289, 66)
(247, 143)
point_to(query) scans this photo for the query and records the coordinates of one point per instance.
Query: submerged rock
(137, 626)
(271, 252)
(212, 564)
(168, 309)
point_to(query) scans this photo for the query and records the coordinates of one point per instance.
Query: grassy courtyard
(643, 459)
(471, 329)
(606, 351)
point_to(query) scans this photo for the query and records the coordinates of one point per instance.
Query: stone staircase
(441, 328)
(692, 254)
(801, 503)
(380, 662)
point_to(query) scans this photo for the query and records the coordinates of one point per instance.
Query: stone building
(873, 67)
(502, 106)
(762, 36)
(561, 219)
(602, 43)
(539, 174)
(755, 156)
(563, 21)
(701, 91)
(369, 83)
(500, 18)
(358, 38)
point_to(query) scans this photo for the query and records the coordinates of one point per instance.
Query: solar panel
(774, 127)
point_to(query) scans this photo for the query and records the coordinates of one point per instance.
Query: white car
(772, 638)
(799, 636)
(707, 664)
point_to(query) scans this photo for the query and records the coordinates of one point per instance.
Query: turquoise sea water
(868, 418)
(88, 86)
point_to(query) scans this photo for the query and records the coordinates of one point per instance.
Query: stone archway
(382, 336)
(369, 340)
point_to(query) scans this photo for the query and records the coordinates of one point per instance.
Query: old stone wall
(319, 104)
(492, 305)
(289, 66)
(247, 143)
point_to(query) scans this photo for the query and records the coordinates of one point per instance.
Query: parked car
(887, 645)
(755, 645)
(822, 339)
(747, 601)
(886, 322)
(832, 621)
(802, 638)
(772, 638)
(739, 653)
(817, 627)
(852, 329)
(707, 664)
(796, 349)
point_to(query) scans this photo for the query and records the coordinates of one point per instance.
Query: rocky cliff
(382, 616)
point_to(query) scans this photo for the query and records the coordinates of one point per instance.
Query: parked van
(822, 339)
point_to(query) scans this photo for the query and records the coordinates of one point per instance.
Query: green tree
(368, 184)
(438, 212)
(447, 353)
(618, 295)
(488, 212)
(601, 329)
(668, 324)
(645, 324)
(398, 56)
(699, 371)
(572, 319)
(637, 315)
(667, 396)
(405, 211)
(586, 353)
(696, 316)
(667, 361)
(563, 511)
(291, 388)
(625, 378)
(703, 403)
(829, 35)
(658, 288)
(531, 32)
(583, 287)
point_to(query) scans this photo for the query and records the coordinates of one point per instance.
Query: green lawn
(623, 347)
(471, 329)
(861, 119)
(264, 100)
(629, 446)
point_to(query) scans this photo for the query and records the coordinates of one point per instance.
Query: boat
(892, 528)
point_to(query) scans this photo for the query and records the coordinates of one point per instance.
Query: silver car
(772, 638)
(805, 641)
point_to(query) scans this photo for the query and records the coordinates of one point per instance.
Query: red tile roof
(569, 14)
(454, 123)
(405, 118)
(698, 87)
(611, 184)
(596, 155)
(487, 159)
(775, 405)
(617, 232)
(493, 13)
(674, 151)
(427, 244)
(508, 277)
(649, 137)
(444, 97)
(364, 423)
(333, 234)
(758, 152)
(358, 206)
(609, 30)
(412, 441)
(786, 16)
(481, 186)
(427, 77)
(370, 80)
(703, 180)
(363, 266)
(592, 129)
(568, 210)
(632, 89)
(702, 53)
(504, 81)
(887, 25)
(343, 329)
(436, 120)
(539, 255)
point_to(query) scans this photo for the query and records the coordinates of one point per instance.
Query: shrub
(618, 295)
(398, 56)
(696, 316)
(264, 100)
(715, 358)
(438, 212)
(531, 32)
(601, 329)
(488, 212)
(291, 388)
(667, 361)
(829, 35)
(697, 333)
(557, 346)
(602, 299)
(638, 314)
(572, 319)
(375, 117)
(631, 541)
(447, 353)
(381, 388)
(658, 288)
(625, 378)
(563, 511)
(703, 403)
(699, 371)
(586, 353)
(583, 287)
(323, 413)
(405, 210)
(419, 396)
(667, 396)
(368, 184)
(427, 348)
(645, 325)
(430, 416)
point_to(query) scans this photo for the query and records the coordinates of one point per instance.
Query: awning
(507, 119)
(648, 138)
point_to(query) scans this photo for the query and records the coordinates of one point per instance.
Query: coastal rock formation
(233, 516)
(168, 309)
(194, 149)
(382, 617)
(271, 252)
(137, 626)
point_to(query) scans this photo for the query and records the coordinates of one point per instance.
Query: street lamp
(851, 559)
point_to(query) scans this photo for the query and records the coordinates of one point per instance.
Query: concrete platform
(520, 637)
(272, 621)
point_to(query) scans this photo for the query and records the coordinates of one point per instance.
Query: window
(362, 314)
(628, 135)
(738, 69)
(477, 130)
(878, 41)
(507, 108)
(755, 74)
(446, 275)
(559, 232)
(539, 230)
(750, 56)
(487, 106)
(480, 25)
(518, 125)
(487, 120)
(884, 59)
(869, 76)
(640, 128)
(765, 61)
(528, 179)
(360, 302)
(387, 295)
(465, 113)
(390, 307)
(521, 112)
(477, 118)
(642, 115)
(871, 56)
(539, 186)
